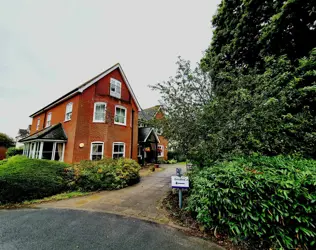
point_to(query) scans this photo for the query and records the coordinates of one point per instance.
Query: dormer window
(115, 88)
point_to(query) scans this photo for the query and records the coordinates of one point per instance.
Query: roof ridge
(84, 85)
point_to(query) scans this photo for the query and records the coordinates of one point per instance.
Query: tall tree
(183, 97)
(291, 31)
(6, 141)
(246, 31)
(263, 97)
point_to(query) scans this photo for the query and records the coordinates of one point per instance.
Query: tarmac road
(32, 229)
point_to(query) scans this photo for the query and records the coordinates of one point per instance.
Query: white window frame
(97, 142)
(49, 121)
(94, 110)
(118, 88)
(68, 111)
(54, 151)
(125, 118)
(118, 143)
(139, 151)
(38, 124)
(162, 152)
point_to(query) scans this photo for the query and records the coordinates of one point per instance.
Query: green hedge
(106, 174)
(175, 155)
(24, 179)
(2, 162)
(269, 199)
(14, 151)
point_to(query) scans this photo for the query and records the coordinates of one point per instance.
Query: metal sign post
(179, 172)
(180, 198)
(179, 182)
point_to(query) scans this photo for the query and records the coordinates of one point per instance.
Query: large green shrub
(24, 179)
(14, 151)
(2, 162)
(259, 198)
(176, 155)
(106, 174)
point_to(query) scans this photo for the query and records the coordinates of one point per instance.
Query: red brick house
(98, 118)
(152, 144)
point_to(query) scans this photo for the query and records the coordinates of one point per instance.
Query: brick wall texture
(82, 129)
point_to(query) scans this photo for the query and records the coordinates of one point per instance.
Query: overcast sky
(48, 48)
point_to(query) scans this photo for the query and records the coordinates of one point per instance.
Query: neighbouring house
(3, 151)
(98, 118)
(153, 145)
(22, 133)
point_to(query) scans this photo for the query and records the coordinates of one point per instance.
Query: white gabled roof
(152, 131)
(116, 66)
(87, 84)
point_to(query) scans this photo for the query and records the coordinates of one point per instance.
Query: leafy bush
(176, 155)
(22, 178)
(2, 162)
(172, 161)
(255, 198)
(106, 174)
(14, 151)
(162, 161)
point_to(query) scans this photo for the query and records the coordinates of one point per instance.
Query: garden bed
(184, 218)
(264, 200)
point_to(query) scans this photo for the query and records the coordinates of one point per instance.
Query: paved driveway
(141, 200)
(59, 229)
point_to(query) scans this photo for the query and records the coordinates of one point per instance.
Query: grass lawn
(57, 197)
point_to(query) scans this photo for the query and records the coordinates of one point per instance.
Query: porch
(48, 144)
(147, 146)
(48, 150)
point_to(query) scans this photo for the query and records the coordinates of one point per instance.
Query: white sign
(180, 182)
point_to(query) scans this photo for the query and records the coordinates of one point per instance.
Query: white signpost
(179, 182)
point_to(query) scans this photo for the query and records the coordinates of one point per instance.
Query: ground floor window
(97, 149)
(160, 150)
(26, 149)
(118, 150)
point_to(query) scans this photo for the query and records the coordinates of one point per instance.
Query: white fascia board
(117, 66)
(152, 130)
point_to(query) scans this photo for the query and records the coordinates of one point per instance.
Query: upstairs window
(49, 119)
(99, 112)
(118, 150)
(96, 152)
(115, 88)
(38, 124)
(120, 115)
(68, 112)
